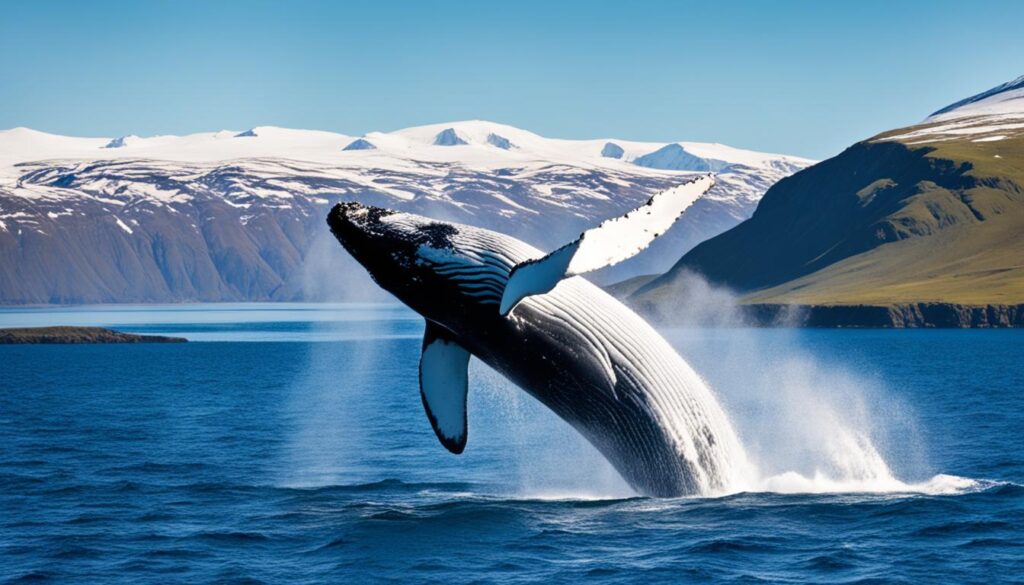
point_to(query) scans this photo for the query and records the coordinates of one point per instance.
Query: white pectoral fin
(611, 242)
(444, 380)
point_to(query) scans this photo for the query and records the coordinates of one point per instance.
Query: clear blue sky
(804, 78)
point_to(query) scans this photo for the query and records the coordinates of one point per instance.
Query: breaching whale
(576, 349)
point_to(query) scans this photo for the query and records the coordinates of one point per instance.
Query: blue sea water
(287, 443)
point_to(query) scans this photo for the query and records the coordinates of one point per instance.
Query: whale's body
(580, 352)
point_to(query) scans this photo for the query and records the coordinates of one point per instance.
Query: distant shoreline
(892, 316)
(910, 315)
(918, 315)
(77, 335)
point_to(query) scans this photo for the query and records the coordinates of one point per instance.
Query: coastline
(893, 316)
(77, 335)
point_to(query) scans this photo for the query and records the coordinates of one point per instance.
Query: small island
(78, 335)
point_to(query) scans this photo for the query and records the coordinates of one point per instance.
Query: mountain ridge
(238, 215)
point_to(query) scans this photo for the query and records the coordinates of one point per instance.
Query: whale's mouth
(364, 233)
(360, 228)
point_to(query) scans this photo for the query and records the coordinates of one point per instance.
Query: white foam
(820, 483)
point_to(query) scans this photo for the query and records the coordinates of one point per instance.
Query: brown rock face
(123, 231)
(77, 335)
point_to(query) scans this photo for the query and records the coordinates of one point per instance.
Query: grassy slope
(968, 261)
(919, 225)
(624, 288)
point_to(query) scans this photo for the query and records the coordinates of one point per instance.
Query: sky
(803, 78)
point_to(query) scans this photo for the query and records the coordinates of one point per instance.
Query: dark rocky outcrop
(909, 315)
(78, 335)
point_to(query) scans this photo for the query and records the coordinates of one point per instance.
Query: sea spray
(546, 458)
(327, 441)
(327, 276)
(809, 423)
(802, 423)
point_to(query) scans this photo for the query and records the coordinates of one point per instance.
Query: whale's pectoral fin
(611, 242)
(444, 379)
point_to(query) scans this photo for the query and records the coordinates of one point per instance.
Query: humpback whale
(576, 349)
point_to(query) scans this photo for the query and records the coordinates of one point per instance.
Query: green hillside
(931, 213)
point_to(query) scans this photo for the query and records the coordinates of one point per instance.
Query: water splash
(810, 422)
(327, 437)
(547, 459)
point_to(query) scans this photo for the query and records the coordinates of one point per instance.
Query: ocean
(288, 443)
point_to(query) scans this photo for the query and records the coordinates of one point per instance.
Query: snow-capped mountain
(990, 116)
(1006, 98)
(240, 215)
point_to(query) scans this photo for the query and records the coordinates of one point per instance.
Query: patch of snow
(123, 225)
(998, 112)
(1007, 98)
(151, 191)
(962, 128)
(511, 203)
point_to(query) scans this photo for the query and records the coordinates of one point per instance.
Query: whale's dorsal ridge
(607, 244)
(444, 382)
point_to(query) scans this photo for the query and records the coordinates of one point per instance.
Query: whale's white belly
(648, 371)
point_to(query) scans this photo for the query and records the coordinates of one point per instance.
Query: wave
(228, 536)
(792, 483)
(382, 485)
(576, 496)
(788, 483)
(939, 485)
